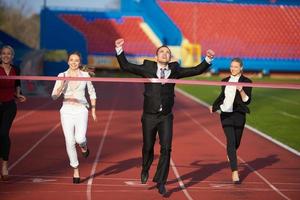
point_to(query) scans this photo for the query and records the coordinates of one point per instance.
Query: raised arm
(123, 62)
(199, 69)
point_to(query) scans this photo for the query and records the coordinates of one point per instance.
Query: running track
(39, 165)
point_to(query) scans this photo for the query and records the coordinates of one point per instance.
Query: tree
(13, 20)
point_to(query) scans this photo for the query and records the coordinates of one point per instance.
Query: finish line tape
(154, 80)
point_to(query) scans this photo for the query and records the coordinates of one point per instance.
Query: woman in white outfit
(74, 112)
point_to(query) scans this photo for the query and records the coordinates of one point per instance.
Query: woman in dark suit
(232, 102)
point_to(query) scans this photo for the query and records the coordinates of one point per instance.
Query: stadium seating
(101, 34)
(244, 30)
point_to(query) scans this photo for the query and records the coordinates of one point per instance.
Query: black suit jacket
(238, 104)
(157, 94)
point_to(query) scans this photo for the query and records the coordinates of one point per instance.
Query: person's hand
(210, 109)
(210, 54)
(63, 84)
(21, 98)
(239, 88)
(60, 88)
(119, 42)
(94, 114)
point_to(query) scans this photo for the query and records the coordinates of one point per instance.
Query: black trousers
(233, 125)
(163, 125)
(8, 112)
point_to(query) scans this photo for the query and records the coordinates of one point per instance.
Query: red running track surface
(39, 165)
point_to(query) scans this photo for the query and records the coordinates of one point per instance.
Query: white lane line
(90, 181)
(246, 164)
(180, 182)
(33, 147)
(289, 115)
(42, 180)
(254, 130)
(135, 183)
(31, 112)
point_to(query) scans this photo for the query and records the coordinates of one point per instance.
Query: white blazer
(75, 89)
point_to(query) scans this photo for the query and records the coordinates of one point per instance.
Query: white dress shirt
(75, 89)
(230, 92)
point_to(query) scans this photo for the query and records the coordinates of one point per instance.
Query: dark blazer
(157, 94)
(238, 104)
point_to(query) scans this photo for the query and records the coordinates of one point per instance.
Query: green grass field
(275, 112)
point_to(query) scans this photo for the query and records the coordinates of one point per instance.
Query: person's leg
(231, 151)
(1, 141)
(239, 121)
(229, 131)
(165, 131)
(81, 121)
(239, 124)
(8, 114)
(68, 124)
(149, 125)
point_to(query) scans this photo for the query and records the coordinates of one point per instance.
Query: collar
(78, 71)
(160, 66)
(235, 77)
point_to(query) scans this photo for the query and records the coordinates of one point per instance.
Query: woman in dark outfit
(232, 102)
(9, 90)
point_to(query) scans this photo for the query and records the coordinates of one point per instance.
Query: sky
(34, 6)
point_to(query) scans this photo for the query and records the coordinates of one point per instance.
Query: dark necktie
(162, 76)
(162, 73)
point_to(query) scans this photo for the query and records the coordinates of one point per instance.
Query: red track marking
(199, 160)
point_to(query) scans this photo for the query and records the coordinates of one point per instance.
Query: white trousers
(74, 120)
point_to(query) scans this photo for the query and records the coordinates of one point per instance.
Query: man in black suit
(158, 103)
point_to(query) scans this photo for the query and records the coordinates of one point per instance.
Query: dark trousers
(233, 125)
(8, 112)
(163, 125)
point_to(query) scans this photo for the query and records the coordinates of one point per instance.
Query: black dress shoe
(144, 176)
(161, 188)
(86, 153)
(76, 180)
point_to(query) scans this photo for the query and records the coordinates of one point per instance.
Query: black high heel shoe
(4, 177)
(76, 180)
(86, 153)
